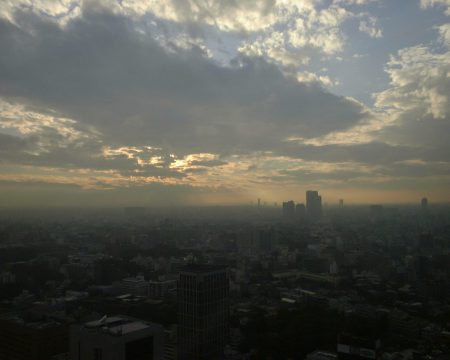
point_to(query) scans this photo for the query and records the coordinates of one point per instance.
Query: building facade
(117, 338)
(203, 311)
(313, 205)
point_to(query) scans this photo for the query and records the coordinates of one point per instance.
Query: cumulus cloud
(102, 73)
(307, 76)
(430, 3)
(370, 26)
(418, 99)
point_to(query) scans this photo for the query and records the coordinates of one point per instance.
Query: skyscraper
(424, 204)
(300, 211)
(288, 209)
(313, 205)
(203, 309)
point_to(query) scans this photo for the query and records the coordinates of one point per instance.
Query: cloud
(112, 95)
(101, 73)
(307, 76)
(370, 27)
(430, 3)
(418, 99)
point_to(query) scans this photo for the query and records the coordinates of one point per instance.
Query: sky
(166, 102)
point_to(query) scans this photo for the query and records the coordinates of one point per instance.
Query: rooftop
(117, 325)
(202, 268)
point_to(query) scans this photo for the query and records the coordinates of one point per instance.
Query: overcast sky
(153, 102)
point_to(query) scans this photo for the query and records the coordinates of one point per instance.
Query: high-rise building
(288, 210)
(203, 311)
(313, 205)
(117, 338)
(424, 204)
(300, 211)
(341, 203)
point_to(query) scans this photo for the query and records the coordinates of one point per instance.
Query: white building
(136, 286)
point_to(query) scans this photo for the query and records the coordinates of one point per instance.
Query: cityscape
(252, 282)
(224, 180)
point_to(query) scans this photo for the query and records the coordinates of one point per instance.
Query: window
(98, 355)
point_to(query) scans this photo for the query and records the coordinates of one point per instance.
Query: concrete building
(288, 210)
(203, 311)
(117, 338)
(313, 205)
(300, 211)
(136, 286)
(170, 343)
(321, 355)
(424, 204)
(358, 347)
(161, 289)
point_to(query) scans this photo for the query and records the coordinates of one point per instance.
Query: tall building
(288, 209)
(300, 211)
(117, 338)
(341, 203)
(313, 205)
(203, 311)
(424, 204)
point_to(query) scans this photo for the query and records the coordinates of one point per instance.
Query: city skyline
(154, 103)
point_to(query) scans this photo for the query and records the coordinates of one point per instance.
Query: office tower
(341, 203)
(300, 211)
(259, 203)
(264, 238)
(288, 210)
(313, 205)
(117, 338)
(203, 310)
(424, 204)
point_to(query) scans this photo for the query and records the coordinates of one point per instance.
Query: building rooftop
(202, 268)
(31, 323)
(117, 325)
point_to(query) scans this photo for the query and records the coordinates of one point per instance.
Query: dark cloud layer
(99, 70)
